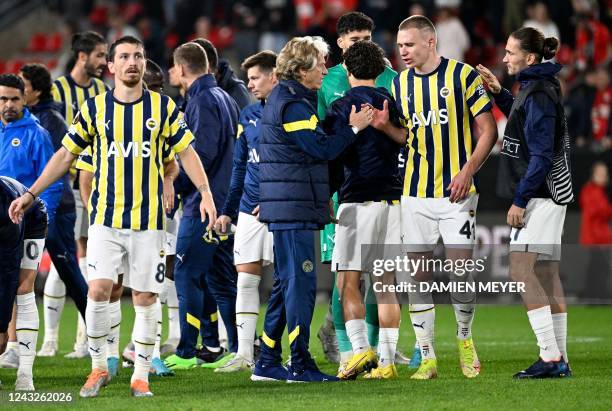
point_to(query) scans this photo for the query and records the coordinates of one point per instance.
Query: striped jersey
(72, 96)
(128, 147)
(438, 109)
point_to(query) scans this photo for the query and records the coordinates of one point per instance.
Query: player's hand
(208, 209)
(381, 117)
(168, 195)
(489, 79)
(362, 118)
(460, 186)
(19, 206)
(255, 212)
(515, 217)
(223, 223)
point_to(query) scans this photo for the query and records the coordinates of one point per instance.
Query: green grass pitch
(502, 336)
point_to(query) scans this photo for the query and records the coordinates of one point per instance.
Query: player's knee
(82, 246)
(99, 291)
(25, 287)
(144, 299)
(116, 292)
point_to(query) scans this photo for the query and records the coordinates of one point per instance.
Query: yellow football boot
(359, 363)
(427, 370)
(468, 359)
(382, 373)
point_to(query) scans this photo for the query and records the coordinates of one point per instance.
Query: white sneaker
(80, 351)
(24, 383)
(237, 364)
(48, 349)
(10, 359)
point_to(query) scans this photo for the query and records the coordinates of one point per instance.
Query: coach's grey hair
(300, 53)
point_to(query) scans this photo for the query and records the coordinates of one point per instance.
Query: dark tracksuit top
(368, 169)
(539, 131)
(294, 201)
(244, 187)
(204, 273)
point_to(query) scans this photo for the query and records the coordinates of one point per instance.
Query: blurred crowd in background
(474, 31)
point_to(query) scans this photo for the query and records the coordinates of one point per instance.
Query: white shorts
(252, 241)
(424, 220)
(138, 255)
(32, 253)
(172, 226)
(82, 218)
(542, 230)
(363, 224)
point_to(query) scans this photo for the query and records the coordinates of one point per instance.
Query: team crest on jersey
(445, 92)
(162, 254)
(307, 266)
(472, 213)
(15, 142)
(151, 124)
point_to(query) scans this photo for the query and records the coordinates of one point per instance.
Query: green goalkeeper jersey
(335, 84)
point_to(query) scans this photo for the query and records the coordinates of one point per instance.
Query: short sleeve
(85, 161)
(176, 131)
(81, 131)
(475, 94)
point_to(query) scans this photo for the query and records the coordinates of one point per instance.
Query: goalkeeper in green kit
(351, 28)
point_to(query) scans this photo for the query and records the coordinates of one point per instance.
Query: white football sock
(560, 327)
(98, 328)
(114, 312)
(222, 330)
(54, 298)
(423, 317)
(26, 325)
(358, 335)
(174, 327)
(158, 329)
(542, 325)
(247, 311)
(387, 345)
(345, 356)
(12, 345)
(145, 327)
(464, 314)
(83, 266)
(81, 335)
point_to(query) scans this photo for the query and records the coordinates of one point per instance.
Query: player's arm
(53, 171)
(478, 101)
(195, 170)
(301, 124)
(179, 139)
(503, 97)
(539, 130)
(171, 172)
(460, 185)
(86, 174)
(85, 185)
(42, 151)
(232, 201)
(382, 122)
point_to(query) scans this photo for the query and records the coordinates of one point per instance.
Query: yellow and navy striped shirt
(72, 96)
(128, 146)
(438, 110)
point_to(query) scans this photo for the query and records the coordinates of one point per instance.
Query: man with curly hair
(369, 211)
